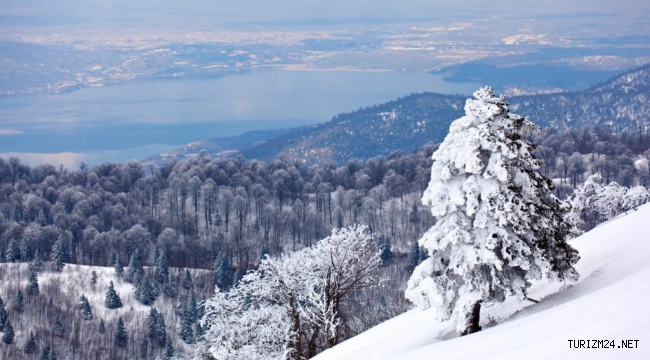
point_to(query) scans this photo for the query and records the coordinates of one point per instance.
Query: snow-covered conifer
(3, 315)
(113, 300)
(498, 226)
(19, 300)
(30, 345)
(33, 281)
(12, 253)
(169, 349)
(93, 277)
(187, 280)
(59, 252)
(8, 336)
(84, 306)
(121, 337)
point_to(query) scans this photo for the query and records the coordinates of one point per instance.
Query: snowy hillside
(609, 302)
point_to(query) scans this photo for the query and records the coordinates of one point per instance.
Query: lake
(140, 118)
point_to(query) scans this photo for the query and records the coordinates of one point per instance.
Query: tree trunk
(473, 320)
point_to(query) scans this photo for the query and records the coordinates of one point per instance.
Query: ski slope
(611, 301)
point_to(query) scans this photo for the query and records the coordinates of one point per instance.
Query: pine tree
(144, 292)
(93, 278)
(13, 252)
(37, 262)
(102, 327)
(135, 270)
(414, 216)
(223, 272)
(33, 281)
(119, 269)
(187, 280)
(30, 345)
(162, 268)
(59, 329)
(498, 224)
(3, 315)
(19, 300)
(84, 306)
(157, 330)
(59, 253)
(413, 258)
(170, 289)
(144, 348)
(385, 248)
(121, 337)
(113, 300)
(8, 336)
(169, 349)
(46, 353)
(25, 250)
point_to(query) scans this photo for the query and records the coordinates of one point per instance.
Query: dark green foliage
(162, 267)
(19, 301)
(30, 345)
(121, 337)
(414, 216)
(170, 289)
(156, 325)
(144, 291)
(119, 269)
(3, 315)
(223, 272)
(37, 262)
(46, 353)
(414, 257)
(59, 253)
(25, 250)
(8, 336)
(135, 269)
(93, 278)
(144, 348)
(84, 306)
(169, 349)
(59, 329)
(385, 248)
(187, 280)
(33, 282)
(12, 253)
(113, 300)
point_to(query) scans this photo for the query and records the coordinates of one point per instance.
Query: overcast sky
(233, 12)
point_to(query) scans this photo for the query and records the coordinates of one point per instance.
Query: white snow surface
(609, 302)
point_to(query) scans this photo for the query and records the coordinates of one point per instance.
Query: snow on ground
(609, 302)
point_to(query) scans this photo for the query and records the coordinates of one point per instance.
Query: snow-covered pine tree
(187, 280)
(113, 300)
(498, 226)
(169, 349)
(33, 281)
(121, 337)
(8, 336)
(37, 262)
(59, 253)
(144, 348)
(3, 315)
(157, 330)
(25, 250)
(12, 254)
(84, 306)
(19, 300)
(135, 267)
(30, 345)
(93, 277)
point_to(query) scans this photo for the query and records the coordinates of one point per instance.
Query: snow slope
(609, 302)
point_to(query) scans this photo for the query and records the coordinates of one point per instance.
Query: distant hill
(216, 148)
(407, 123)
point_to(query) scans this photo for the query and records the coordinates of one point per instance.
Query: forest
(225, 215)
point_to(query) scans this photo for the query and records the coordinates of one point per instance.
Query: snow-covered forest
(169, 236)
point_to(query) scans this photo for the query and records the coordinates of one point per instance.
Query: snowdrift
(609, 302)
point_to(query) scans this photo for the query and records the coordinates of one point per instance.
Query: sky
(259, 12)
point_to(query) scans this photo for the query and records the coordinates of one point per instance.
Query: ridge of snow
(609, 302)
